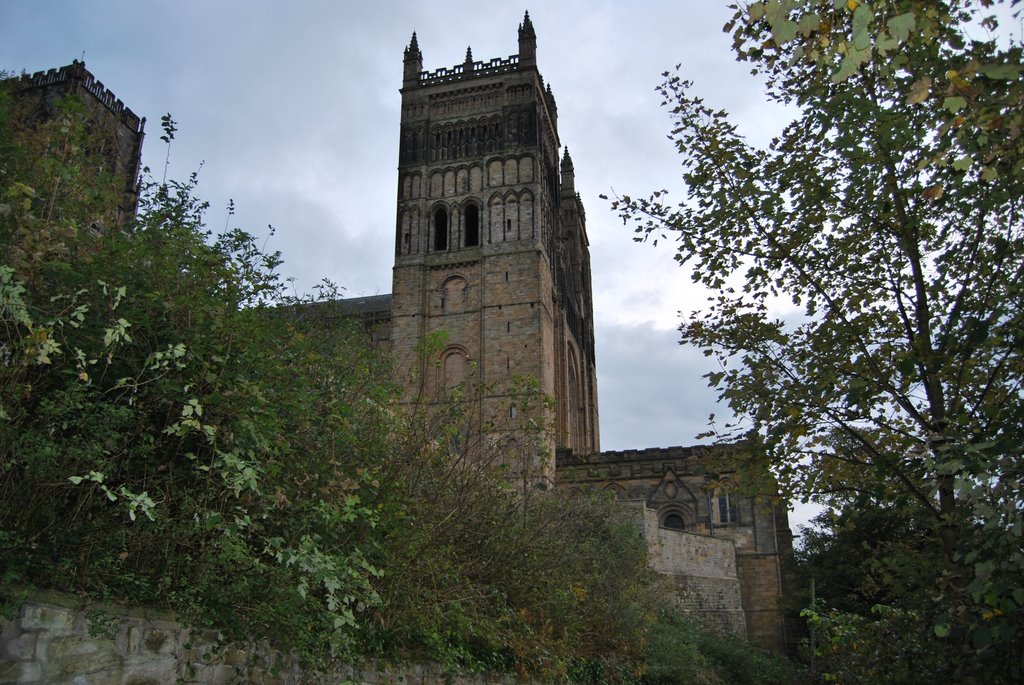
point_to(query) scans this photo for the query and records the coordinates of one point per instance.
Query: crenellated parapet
(636, 462)
(470, 68)
(77, 73)
(467, 70)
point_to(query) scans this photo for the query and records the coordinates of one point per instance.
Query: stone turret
(413, 63)
(115, 128)
(527, 43)
(568, 174)
(550, 98)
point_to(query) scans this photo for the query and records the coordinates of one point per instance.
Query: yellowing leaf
(919, 91)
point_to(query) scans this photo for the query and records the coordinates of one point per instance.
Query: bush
(679, 651)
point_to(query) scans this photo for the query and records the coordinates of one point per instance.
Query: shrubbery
(165, 440)
(679, 651)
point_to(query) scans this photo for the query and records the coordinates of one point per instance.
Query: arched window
(574, 410)
(440, 230)
(472, 225)
(453, 295)
(454, 368)
(617, 491)
(724, 509)
(674, 521)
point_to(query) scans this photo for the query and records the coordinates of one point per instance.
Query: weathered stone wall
(63, 642)
(700, 574)
(761, 580)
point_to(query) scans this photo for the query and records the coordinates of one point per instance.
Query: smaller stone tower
(117, 130)
(491, 244)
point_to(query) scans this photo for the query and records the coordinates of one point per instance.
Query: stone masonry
(491, 243)
(491, 250)
(58, 640)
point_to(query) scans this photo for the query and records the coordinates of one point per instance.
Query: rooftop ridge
(567, 458)
(76, 71)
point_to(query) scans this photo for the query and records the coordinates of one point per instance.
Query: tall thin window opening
(725, 510)
(440, 230)
(472, 225)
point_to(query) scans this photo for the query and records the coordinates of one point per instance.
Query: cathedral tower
(491, 244)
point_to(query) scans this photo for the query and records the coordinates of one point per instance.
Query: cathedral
(492, 266)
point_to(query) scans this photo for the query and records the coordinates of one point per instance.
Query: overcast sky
(293, 110)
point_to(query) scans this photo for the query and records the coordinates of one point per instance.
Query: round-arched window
(674, 521)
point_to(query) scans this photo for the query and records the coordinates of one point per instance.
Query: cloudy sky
(292, 110)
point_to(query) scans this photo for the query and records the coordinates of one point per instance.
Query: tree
(873, 574)
(866, 554)
(866, 274)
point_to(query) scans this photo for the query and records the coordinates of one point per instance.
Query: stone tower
(491, 244)
(116, 131)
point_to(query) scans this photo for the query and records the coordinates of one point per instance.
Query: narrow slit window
(472, 226)
(440, 230)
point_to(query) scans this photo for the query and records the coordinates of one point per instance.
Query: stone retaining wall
(701, 573)
(60, 641)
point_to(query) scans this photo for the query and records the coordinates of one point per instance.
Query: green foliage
(866, 273)
(176, 432)
(874, 569)
(165, 437)
(680, 652)
(866, 555)
(888, 645)
(490, 571)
